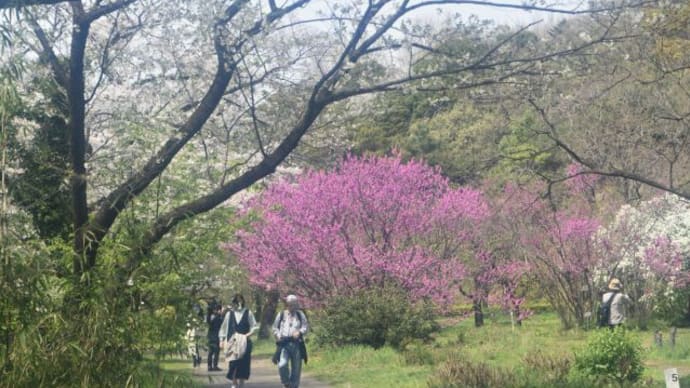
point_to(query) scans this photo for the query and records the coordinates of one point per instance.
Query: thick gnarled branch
(4, 4)
(227, 64)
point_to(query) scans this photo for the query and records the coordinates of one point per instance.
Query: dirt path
(264, 375)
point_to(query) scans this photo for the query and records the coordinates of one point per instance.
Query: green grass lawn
(497, 344)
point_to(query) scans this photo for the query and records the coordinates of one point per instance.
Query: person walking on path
(618, 301)
(214, 318)
(193, 342)
(289, 329)
(238, 326)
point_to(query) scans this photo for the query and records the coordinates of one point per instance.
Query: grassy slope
(496, 343)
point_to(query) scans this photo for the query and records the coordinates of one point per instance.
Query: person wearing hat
(618, 301)
(289, 329)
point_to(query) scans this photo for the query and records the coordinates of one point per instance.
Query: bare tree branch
(25, 3)
(593, 169)
(266, 167)
(528, 7)
(364, 47)
(106, 9)
(251, 102)
(48, 54)
(477, 65)
(103, 62)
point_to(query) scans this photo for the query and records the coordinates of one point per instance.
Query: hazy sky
(501, 15)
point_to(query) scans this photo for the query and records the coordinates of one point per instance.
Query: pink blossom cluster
(372, 220)
(665, 261)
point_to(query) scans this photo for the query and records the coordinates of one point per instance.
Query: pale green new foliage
(612, 355)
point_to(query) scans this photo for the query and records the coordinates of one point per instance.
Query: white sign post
(672, 378)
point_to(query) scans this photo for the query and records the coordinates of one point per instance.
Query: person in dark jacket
(214, 318)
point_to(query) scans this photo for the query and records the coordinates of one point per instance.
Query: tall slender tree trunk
(83, 260)
(269, 313)
(478, 313)
(4, 256)
(516, 312)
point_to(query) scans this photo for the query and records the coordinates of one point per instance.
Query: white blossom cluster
(623, 244)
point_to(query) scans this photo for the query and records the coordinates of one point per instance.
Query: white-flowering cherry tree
(647, 247)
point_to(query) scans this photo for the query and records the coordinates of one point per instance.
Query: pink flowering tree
(493, 279)
(494, 268)
(369, 222)
(556, 243)
(509, 277)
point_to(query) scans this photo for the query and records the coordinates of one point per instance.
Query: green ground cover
(497, 344)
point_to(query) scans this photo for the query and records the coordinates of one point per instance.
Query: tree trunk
(672, 336)
(478, 313)
(516, 312)
(269, 313)
(258, 296)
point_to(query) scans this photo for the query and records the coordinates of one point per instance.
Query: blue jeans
(290, 364)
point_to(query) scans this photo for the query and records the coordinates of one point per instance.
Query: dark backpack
(604, 313)
(299, 317)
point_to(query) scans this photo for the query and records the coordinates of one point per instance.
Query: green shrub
(375, 317)
(613, 355)
(84, 332)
